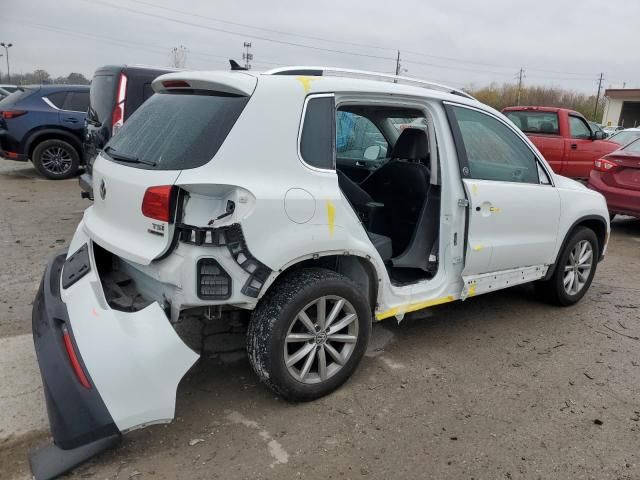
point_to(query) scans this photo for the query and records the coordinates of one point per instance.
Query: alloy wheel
(321, 339)
(56, 160)
(578, 267)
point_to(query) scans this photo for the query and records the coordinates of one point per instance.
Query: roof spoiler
(236, 66)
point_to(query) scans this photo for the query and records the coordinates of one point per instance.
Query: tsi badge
(103, 189)
(156, 229)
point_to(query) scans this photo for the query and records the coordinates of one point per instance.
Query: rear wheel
(56, 159)
(575, 269)
(309, 333)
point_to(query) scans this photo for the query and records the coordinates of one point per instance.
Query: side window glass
(317, 137)
(76, 102)
(494, 151)
(57, 99)
(579, 128)
(357, 138)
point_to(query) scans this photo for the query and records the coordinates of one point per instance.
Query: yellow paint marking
(472, 289)
(412, 307)
(306, 82)
(474, 189)
(331, 217)
(494, 209)
(477, 248)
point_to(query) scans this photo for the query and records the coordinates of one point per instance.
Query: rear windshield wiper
(122, 157)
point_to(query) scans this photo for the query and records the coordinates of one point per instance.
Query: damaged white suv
(313, 200)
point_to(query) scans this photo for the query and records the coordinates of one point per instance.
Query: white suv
(315, 200)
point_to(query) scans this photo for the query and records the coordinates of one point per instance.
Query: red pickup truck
(563, 137)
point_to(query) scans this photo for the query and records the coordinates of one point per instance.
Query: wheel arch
(359, 269)
(41, 135)
(596, 223)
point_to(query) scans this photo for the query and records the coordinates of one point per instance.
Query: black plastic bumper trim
(51, 461)
(231, 237)
(77, 416)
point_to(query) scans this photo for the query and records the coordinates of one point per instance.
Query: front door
(513, 207)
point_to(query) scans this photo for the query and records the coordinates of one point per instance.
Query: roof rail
(349, 73)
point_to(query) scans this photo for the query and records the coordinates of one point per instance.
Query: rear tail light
(73, 358)
(9, 114)
(603, 165)
(117, 117)
(11, 155)
(158, 202)
(213, 282)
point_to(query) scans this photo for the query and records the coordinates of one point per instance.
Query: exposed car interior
(384, 170)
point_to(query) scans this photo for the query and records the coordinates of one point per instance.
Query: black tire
(45, 159)
(612, 216)
(277, 311)
(553, 289)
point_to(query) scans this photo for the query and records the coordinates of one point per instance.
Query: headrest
(412, 144)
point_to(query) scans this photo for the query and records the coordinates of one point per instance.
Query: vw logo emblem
(103, 189)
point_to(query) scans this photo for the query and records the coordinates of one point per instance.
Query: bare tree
(179, 57)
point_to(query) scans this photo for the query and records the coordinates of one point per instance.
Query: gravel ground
(500, 386)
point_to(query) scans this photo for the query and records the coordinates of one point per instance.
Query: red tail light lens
(9, 114)
(603, 165)
(73, 359)
(157, 202)
(117, 117)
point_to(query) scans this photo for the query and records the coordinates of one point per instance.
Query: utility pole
(521, 76)
(1, 55)
(595, 108)
(246, 56)
(398, 64)
(6, 51)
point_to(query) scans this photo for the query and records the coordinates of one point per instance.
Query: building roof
(631, 93)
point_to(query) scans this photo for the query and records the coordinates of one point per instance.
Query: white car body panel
(290, 212)
(135, 360)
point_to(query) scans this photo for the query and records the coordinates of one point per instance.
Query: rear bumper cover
(133, 362)
(619, 200)
(79, 420)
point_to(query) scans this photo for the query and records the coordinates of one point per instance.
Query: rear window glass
(535, 122)
(176, 131)
(102, 97)
(633, 147)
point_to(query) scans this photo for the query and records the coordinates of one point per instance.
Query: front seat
(411, 205)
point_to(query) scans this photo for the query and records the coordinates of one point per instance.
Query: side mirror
(599, 135)
(372, 152)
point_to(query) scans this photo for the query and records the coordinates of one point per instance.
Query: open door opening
(384, 165)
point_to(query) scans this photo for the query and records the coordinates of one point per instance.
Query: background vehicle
(617, 177)
(44, 123)
(625, 136)
(9, 88)
(612, 129)
(563, 137)
(116, 92)
(224, 196)
(595, 127)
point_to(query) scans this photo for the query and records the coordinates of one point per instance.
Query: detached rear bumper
(79, 420)
(104, 371)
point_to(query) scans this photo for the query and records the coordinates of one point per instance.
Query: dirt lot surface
(500, 386)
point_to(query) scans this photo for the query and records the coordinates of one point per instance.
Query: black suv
(44, 123)
(116, 92)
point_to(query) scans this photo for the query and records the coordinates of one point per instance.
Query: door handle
(574, 146)
(71, 120)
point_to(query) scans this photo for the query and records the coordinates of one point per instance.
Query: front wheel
(56, 159)
(308, 334)
(575, 269)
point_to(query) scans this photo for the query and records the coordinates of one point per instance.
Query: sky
(564, 43)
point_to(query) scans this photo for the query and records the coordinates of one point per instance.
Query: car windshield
(176, 131)
(624, 137)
